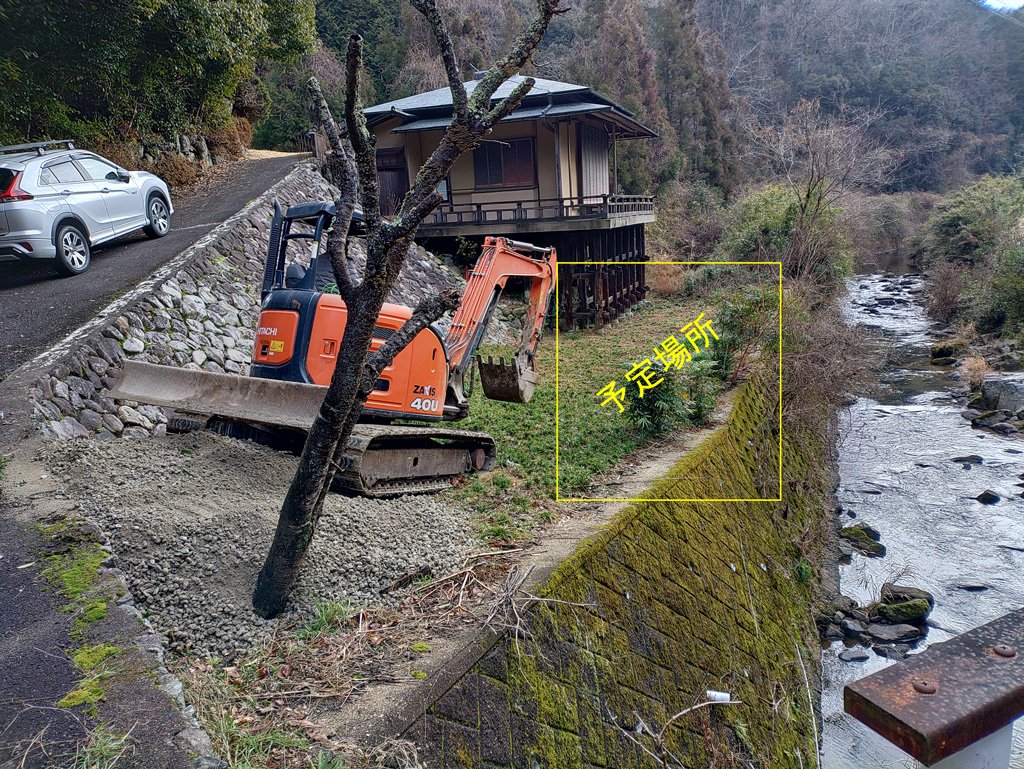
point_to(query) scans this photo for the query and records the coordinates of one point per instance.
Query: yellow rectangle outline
(590, 499)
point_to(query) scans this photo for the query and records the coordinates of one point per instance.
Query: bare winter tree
(387, 243)
(821, 157)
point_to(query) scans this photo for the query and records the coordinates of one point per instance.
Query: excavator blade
(512, 382)
(264, 401)
(380, 460)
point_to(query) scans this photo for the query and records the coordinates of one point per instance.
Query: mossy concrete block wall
(670, 600)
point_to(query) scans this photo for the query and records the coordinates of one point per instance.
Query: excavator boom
(500, 260)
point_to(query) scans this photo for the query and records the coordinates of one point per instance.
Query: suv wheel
(72, 250)
(159, 217)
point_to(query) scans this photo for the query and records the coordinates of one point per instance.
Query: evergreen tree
(695, 96)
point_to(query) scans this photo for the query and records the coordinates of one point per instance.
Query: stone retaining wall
(201, 314)
(671, 600)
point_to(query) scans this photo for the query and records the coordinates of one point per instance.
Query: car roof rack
(39, 147)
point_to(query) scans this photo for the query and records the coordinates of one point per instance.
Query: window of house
(504, 164)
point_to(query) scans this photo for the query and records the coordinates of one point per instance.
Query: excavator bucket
(513, 382)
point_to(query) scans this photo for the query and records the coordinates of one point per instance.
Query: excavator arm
(500, 260)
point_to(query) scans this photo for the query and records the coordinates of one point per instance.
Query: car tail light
(26, 245)
(14, 192)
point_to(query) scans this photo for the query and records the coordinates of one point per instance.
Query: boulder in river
(889, 652)
(862, 542)
(893, 633)
(868, 529)
(916, 610)
(988, 497)
(893, 593)
(990, 418)
(1004, 393)
(943, 361)
(948, 349)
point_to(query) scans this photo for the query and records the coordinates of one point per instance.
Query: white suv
(57, 202)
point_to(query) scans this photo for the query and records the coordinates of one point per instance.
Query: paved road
(38, 308)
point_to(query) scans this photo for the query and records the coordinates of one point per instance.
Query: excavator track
(391, 460)
(381, 460)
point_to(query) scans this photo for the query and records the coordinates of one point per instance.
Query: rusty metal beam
(938, 702)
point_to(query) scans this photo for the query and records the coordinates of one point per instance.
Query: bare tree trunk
(388, 243)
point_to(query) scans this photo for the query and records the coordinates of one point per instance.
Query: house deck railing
(545, 209)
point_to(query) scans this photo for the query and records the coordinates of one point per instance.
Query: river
(896, 473)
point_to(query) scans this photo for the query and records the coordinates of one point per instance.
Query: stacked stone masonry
(671, 600)
(203, 317)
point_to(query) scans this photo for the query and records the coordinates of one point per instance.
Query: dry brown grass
(665, 279)
(973, 371)
(262, 709)
(176, 170)
(824, 360)
(226, 141)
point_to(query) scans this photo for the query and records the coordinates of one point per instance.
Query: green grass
(520, 494)
(102, 750)
(329, 616)
(244, 749)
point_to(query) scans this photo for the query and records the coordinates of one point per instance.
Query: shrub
(823, 360)
(747, 322)
(769, 225)
(657, 410)
(944, 292)
(969, 224)
(251, 100)
(225, 142)
(684, 396)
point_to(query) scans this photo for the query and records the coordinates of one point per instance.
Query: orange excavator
(300, 330)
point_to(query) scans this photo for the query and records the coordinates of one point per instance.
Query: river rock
(868, 529)
(1005, 428)
(990, 418)
(988, 497)
(833, 633)
(968, 459)
(854, 655)
(893, 593)
(970, 414)
(979, 403)
(916, 610)
(943, 361)
(1005, 394)
(862, 542)
(893, 633)
(947, 349)
(889, 652)
(852, 627)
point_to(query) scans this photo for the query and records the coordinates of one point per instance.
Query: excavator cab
(278, 272)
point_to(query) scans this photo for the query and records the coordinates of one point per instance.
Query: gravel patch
(191, 518)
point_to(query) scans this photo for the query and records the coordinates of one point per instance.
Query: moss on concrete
(89, 657)
(684, 596)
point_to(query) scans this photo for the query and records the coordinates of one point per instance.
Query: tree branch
(522, 50)
(427, 312)
(506, 106)
(443, 37)
(360, 136)
(343, 159)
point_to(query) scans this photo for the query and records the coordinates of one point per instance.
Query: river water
(896, 473)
